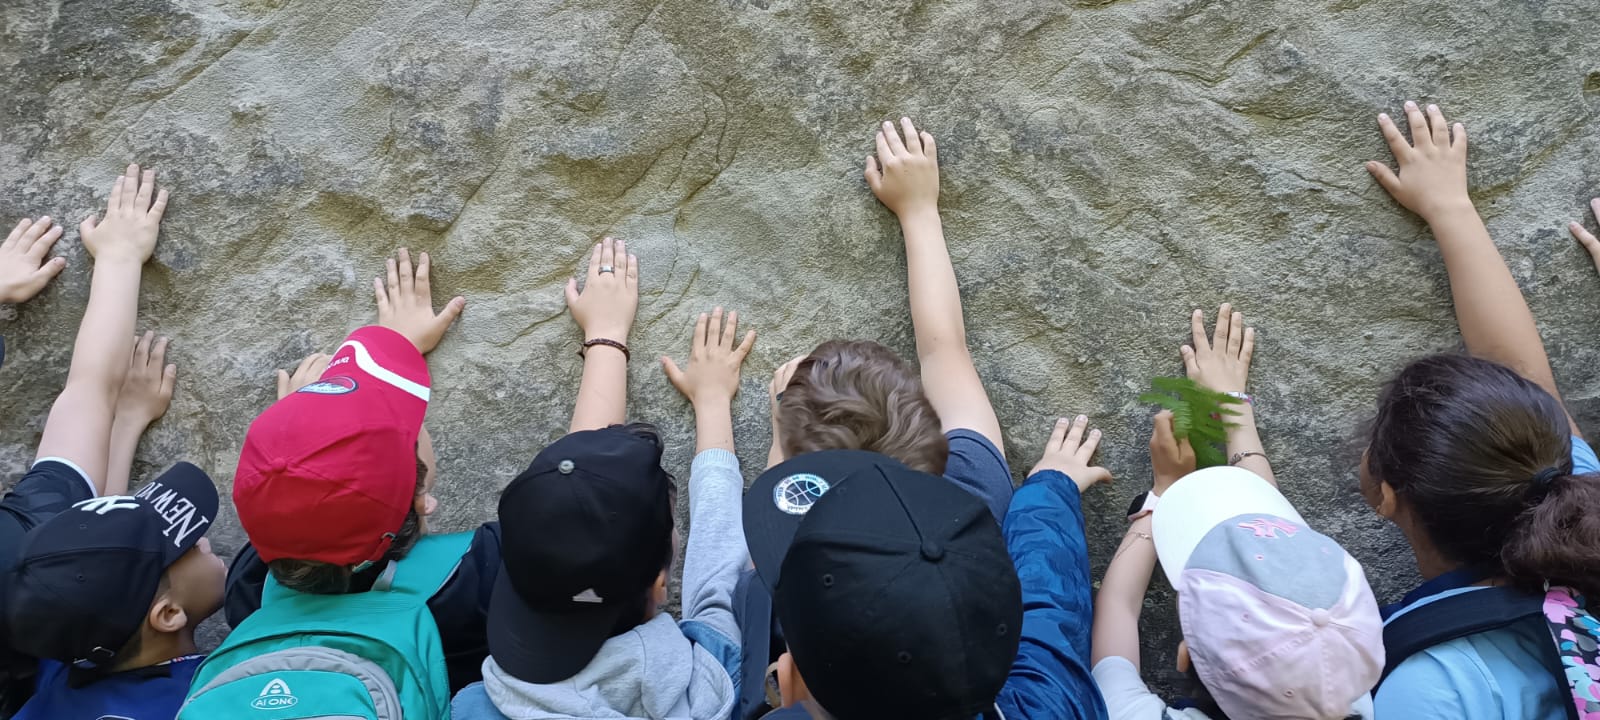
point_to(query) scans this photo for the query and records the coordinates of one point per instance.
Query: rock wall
(1108, 166)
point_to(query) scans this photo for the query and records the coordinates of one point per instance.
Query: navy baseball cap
(584, 533)
(893, 587)
(85, 578)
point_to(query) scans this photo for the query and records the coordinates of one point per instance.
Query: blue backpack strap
(1461, 615)
(753, 605)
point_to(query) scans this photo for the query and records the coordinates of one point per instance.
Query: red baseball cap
(328, 473)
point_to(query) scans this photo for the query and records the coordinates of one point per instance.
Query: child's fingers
(700, 329)
(46, 273)
(1459, 142)
(1161, 436)
(169, 380)
(392, 275)
(31, 233)
(1186, 453)
(147, 187)
(424, 281)
(1391, 134)
(159, 208)
(619, 260)
(1219, 334)
(1248, 349)
(1197, 328)
(115, 202)
(1190, 365)
(1075, 433)
(885, 154)
(572, 292)
(42, 244)
(928, 147)
(452, 310)
(1438, 127)
(743, 351)
(283, 384)
(1418, 125)
(1386, 178)
(1235, 334)
(158, 352)
(141, 349)
(674, 374)
(1594, 207)
(608, 255)
(873, 174)
(1058, 435)
(633, 271)
(408, 274)
(1589, 242)
(381, 295)
(893, 136)
(913, 141)
(16, 232)
(730, 330)
(88, 225)
(1090, 444)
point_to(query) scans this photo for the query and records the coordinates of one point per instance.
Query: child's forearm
(125, 434)
(1244, 439)
(935, 297)
(105, 337)
(1495, 321)
(713, 424)
(1121, 597)
(603, 391)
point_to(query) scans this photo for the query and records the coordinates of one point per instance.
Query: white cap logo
(797, 493)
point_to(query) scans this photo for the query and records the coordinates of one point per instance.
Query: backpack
(373, 655)
(1560, 612)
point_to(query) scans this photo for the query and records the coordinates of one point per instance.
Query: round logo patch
(331, 386)
(797, 493)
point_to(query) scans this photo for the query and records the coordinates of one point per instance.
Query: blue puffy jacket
(1044, 533)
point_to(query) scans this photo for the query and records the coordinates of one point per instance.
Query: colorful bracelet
(1246, 397)
(608, 343)
(1240, 456)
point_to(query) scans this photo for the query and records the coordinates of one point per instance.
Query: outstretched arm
(1121, 598)
(1432, 182)
(905, 177)
(78, 429)
(145, 396)
(604, 310)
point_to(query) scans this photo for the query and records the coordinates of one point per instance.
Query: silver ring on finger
(607, 269)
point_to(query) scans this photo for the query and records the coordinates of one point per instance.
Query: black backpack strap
(753, 605)
(1454, 617)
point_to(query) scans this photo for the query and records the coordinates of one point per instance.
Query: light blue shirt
(1494, 675)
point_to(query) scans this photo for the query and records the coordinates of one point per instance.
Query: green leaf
(1198, 415)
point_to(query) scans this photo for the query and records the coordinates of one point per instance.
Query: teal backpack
(374, 655)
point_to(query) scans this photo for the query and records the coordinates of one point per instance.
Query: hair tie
(1542, 481)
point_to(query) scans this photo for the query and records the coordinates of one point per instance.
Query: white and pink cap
(1279, 619)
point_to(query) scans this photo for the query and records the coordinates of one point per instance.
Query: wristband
(1240, 456)
(1143, 504)
(1246, 398)
(608, 343)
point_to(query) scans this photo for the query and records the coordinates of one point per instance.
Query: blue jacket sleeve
(1044, 532)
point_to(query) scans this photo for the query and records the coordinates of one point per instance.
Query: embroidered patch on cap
(797, 493)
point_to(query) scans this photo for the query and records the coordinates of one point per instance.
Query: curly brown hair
(859, 395)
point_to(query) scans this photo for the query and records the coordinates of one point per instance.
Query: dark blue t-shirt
(977, 465)
(151, 693)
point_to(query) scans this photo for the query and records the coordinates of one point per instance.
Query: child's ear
(1183, 656)
(167, 616)
(425, 504)
(658, 592)
(791, 687)
(1388, 502)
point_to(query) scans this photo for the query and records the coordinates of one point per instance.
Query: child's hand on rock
(132, 221)
(1170, 458)
(405, 303)
(1223, 364)
(309, 371)
(905, 173)
(23, 270)
(714, 360)
(147, 388)
(1587, 238)
(605, 307)
(1432, 181)
(1069, 451)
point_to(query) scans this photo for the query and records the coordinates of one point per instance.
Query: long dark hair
(1483, 458)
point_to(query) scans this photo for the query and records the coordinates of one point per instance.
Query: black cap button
(566, 467)
(931, 551)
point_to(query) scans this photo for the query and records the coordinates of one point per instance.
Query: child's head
(1475, 461)
(336, 476)
(859, 395)
(587, 543)
(119, 582)
(1278, 620)
(894, 589)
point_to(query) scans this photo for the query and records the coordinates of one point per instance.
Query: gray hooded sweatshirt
(662, 669)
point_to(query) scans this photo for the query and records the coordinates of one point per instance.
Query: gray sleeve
(716, 553)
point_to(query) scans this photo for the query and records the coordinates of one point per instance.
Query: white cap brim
(1202, 499)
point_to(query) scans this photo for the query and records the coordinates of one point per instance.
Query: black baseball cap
(85, 578)
(585, 531)
(893, 587)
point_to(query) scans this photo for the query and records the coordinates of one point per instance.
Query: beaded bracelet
(608, 343)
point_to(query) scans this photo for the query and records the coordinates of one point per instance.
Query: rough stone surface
(1108, 166)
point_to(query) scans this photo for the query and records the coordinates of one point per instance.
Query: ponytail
(1557, 538)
